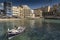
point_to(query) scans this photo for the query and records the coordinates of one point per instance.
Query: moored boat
(14, 32)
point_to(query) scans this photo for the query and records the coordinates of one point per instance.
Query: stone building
(26, 11)
(16, 11)
(38, 13)
(22, 11)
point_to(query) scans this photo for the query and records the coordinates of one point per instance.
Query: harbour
(39, 29)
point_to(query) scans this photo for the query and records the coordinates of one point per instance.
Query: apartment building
(22, 11)
(8, 9)
(15, 11)
(18, 11)
(5, 9)
(26, 11)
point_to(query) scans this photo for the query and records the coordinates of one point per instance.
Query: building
(26, 11)
(38, 13)
(15, 11)
(21, 15)
(18, 11)
(5, 9)
(32, 15)
(46, 8)
(1, 8)
(22, 11)
(49, 8)
(56, 9)
(8, 9)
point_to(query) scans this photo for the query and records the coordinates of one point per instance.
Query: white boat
(14, 32)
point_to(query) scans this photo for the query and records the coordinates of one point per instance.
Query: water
(3, 31)
(39, 29)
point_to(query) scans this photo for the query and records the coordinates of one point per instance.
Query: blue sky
(33, 3)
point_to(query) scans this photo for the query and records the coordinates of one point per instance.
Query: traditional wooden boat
(14, 32)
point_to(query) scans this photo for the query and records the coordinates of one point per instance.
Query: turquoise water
(39, 29)
(3, 31)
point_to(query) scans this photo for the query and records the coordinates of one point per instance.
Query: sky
(33, 3)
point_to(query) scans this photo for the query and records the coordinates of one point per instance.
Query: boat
(13, 32)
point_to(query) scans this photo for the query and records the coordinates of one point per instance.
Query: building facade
(1, 8)
(21, 15)
(8, 9)
(22, 11)
(32, 15)
(38, 13)
(18, 11)
(49, 8)
(15, 11)
(5, 9)
(26, 11)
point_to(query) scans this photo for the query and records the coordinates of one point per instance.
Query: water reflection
(3, 30)
(38, 29)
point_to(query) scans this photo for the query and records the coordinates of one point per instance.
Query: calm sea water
(39, 29)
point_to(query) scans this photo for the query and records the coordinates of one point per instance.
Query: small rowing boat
(14, 32)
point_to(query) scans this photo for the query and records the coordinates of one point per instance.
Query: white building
(32, 15)
(23, 11)
(15, 10)
(27, 11)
